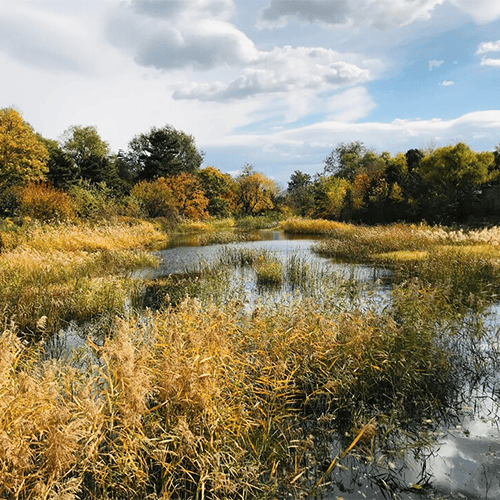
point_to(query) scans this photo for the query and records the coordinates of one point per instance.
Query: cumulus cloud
(283, 69)
(447, 83)
(199, 35)
(382, 14)
(177, 34)
(486, 47)
(434, 64)
(489, 61)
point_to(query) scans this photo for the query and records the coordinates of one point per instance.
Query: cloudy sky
(276, 83)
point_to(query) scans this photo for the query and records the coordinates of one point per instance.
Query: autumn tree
(220, 189)
(189, 197)
(332, 197)
(155, 199)
(174, 196)
(256, 192)
(163, 152)
(23, 156)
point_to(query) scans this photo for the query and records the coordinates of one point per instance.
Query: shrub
(92, 201)
(44, 202)
(156, 199)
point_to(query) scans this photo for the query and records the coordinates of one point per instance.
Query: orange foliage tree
(172, 196)
(44, 202)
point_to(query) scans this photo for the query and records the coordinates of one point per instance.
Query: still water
(465, 463)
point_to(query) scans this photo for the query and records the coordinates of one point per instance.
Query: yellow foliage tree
(256, 191)
(23, 157)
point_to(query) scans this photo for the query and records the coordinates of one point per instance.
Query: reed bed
(314, 226)
(211, 399)
(216, 403)
(121, 234)
(72, 273)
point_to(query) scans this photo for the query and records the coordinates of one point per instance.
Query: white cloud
(434, 64)
(178, 34)
(382, 14)
(489, 61)
(284, 69)
(447, 83)
(398, 135)
(483, 11)
(43, 36)
(486, 47)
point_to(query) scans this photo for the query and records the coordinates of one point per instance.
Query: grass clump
(269, 271)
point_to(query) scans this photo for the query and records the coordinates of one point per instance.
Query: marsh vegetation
(192, 390)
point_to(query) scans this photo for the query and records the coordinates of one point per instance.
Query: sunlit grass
(213, 399)
(216, 400)
(64, 273)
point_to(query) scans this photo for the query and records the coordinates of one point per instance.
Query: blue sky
(275, 83)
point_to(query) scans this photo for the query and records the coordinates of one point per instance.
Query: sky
(274, 83)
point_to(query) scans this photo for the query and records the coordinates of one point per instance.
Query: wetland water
(465, 460)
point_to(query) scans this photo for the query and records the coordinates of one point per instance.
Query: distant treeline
(160, 175)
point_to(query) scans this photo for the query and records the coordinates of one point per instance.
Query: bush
(44, 202)
(91, 201)
(155, 198)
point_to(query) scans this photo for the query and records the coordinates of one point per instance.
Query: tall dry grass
(68, 272)
(217, 403)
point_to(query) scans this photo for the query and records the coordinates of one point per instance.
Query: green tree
(301, 193)
(163, 152)
(220, 189)
(453, 176)
(91, 157)
(23, 156)
(82, 143)
(346, 160)
(62, 171)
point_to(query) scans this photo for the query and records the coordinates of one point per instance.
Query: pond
(465, 461)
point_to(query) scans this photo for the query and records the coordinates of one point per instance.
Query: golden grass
(71, 238)
(210, 402)
(314, 226)
(68, 272)
(401, 256)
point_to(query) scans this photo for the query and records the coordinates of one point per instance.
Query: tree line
(160, 174)
(441, 185)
